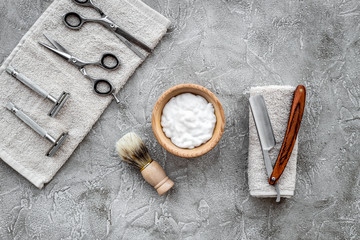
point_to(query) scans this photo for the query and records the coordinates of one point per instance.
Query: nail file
(265, 133)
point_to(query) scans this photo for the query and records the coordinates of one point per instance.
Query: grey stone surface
(226, 46)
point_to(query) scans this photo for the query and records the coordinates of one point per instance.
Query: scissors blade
(130, 46)
(57, 45)
(59, 52)
(132, 39)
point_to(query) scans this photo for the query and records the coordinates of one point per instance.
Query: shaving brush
(132, 150)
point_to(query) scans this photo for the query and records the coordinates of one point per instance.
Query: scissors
(75, 21)
(101, 87)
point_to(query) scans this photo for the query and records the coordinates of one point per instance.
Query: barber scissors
(101, 87)
(75, 21)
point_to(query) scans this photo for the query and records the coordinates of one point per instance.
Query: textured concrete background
(226, 46)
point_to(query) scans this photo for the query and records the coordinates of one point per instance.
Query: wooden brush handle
(296, 113)
(155, 175)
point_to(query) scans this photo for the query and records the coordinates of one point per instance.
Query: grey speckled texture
(226, 46)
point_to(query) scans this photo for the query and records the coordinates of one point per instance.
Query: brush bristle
(132, 150)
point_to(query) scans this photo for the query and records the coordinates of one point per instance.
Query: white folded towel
(21, 147)
(278, 101)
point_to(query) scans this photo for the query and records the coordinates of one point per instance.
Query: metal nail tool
(101, 87)
(58, 102)
(31, 123)
(124, 36)
(265, 133)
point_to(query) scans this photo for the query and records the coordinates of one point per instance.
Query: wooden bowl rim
(167, 144)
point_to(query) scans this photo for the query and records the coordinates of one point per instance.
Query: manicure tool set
(101, 86)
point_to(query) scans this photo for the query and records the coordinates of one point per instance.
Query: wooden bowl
(166, 142)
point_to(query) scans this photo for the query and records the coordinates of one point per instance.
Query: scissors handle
(103, 87)
(74, 20)
(89, 3)
(84, 3)
(108, 88)
(109, 61)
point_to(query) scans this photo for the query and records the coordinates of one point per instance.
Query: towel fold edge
(272, 87)
(33, 178)
(154, 14)
(25, 37)
(263, 194)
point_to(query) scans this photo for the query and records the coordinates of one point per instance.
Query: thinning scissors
(74, 20)
(101, 87)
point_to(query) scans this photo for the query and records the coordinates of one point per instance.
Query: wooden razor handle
(296, 113)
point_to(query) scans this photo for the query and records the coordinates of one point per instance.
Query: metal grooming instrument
(101, 87)
(31, 123)
(265, 133)
(124, 36)
(58, 102)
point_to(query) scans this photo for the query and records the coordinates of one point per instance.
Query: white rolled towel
(278, 101)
